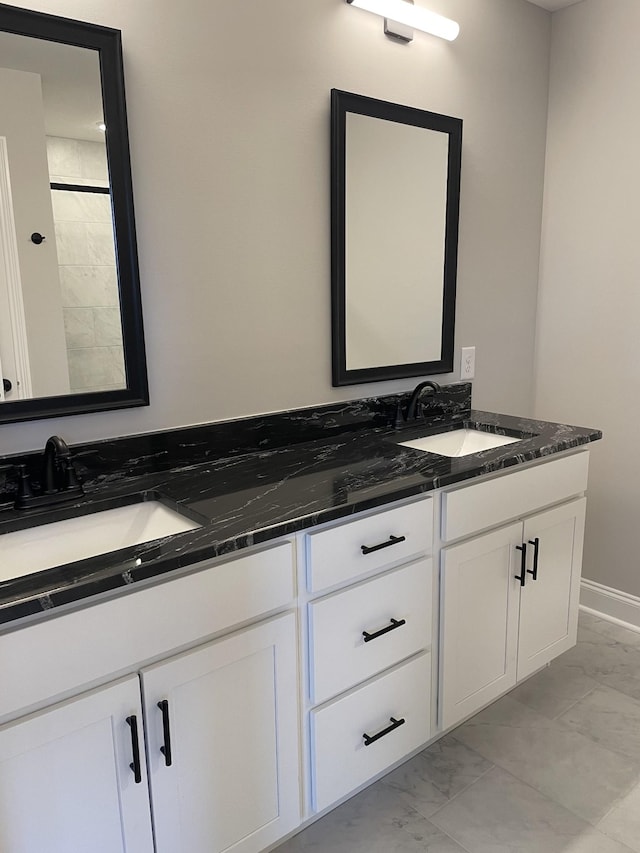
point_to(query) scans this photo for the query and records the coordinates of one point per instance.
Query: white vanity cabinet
(509, 596)
(222, 735)
(73, 777)
(230, 725)
(211, 669)
(369, 622)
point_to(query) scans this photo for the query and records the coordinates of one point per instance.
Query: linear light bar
(411, 16)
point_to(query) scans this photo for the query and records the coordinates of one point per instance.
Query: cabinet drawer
(75, 649)
(512, 495)
(351, 550)
(340, 759)
(341, 656)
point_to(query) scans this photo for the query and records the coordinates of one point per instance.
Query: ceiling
(554, 5)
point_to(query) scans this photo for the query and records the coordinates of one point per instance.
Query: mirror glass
(70, 319)
(395, 185)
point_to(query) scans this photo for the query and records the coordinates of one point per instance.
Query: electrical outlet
(468, 363)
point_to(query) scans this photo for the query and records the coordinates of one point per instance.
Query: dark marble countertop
(248, 498)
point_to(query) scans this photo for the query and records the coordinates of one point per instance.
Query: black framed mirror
(72, 337)
(395, 198)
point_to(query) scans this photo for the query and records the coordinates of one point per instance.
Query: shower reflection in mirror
(59, 296)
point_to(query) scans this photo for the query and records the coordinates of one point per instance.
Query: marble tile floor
(553, 767)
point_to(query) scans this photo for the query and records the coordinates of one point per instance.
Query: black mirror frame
(347, 102)
(107, 42)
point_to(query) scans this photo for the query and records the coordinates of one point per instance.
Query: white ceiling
(554, 5)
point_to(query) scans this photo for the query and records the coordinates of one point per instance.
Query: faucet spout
(58, 480)
(415, 397)
(55, 450)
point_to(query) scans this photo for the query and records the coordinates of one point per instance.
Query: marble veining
(251, 481)
(558, 760)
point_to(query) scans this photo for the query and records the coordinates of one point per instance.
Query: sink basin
(27, 551)
(459, 442)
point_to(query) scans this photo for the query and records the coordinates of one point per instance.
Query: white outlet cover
(468, 363)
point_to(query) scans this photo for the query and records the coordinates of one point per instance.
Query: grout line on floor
(572, 705)
(451, 838)
(467, 787)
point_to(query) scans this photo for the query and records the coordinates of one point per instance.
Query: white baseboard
(610, 604)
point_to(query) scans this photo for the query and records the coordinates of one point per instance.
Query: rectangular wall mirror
(71, 336)
(395, 203)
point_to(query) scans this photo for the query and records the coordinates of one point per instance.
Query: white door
(65, 781)
(223, 742)
(7, 359)
(549, 603)
(14, 351)
(479, 628)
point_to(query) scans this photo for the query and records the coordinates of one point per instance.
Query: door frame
(9, 257)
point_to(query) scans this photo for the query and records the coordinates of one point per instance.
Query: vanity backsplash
(114, 459)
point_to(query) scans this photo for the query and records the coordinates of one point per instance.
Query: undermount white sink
(27, 551)
(459, 442)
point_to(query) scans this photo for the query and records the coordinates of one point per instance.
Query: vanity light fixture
(405, 13)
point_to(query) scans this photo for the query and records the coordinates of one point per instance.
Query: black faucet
(57, 457)
(412, 408)
(59, 481)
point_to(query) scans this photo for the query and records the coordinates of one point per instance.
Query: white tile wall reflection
(84, 286)
(76, 161)
(87, 264)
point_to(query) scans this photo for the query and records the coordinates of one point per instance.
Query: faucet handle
(24, 487)
(69, 475)
(24, 484)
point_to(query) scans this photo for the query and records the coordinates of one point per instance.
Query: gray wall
(588, 369)
(229, 127)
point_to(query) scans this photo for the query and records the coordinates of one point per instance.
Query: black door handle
(165, 749)
(6, 384)
(523, 564)
(132, 722)
(392, 540)
(395, 724)
(395, 623)
(536, 548)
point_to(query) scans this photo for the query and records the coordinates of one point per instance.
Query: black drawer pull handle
(395, 623)
(132, 722)
(523, 564)
(536, 548)
(395, 724)
(165, 749)
(392, 540)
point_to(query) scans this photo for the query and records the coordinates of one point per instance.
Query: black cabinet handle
(523, 564)
(132, 722)
(536, 548)
(165, 749)
(395, 623)
(392, 540)
(395, 724)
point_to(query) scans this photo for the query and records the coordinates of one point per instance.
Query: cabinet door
(479, 622)
(549, 604)
(228, 778)
(65, 780)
